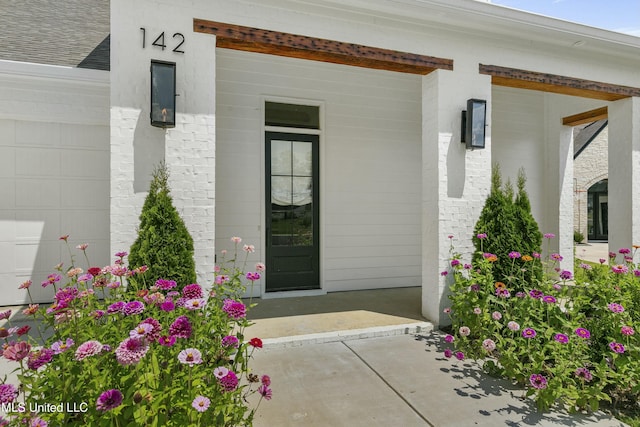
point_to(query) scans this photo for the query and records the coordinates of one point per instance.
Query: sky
(617, 15)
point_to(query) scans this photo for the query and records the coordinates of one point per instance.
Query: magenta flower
(8, 393)
(39, 358)
(266, 380)
(529, 333)
(201, 403)
(515, 255)
(585, 266)
(449, 338)
(549, 235)
(584, 374)
(165, 285)
(253, 276)
(549, 299)
(538, 381)
(234, 309)
(180, 328)
(627, 330)
(481, 236)
(229, 382)
(61, 346)
(265, 392)
(444, 273)
(561, 338)
(89, 348)
(583, 333)
(167, 306)
(615, 307)
(534, 293)
(121, 254)
(566, 275)
(474, 288)
(133, 307)
(167, 341)
(230, 341)
(503, 293)
(616, 347)
(624, 251)
(556, 257)
(190, 356)
(459, 355)
(116, 307)
(131, 351)
(619, 269)
(109, 399)
(192, 291)
(36, 422)
(448, 353)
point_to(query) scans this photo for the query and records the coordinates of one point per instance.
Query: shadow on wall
(456, 167)
(148, 151)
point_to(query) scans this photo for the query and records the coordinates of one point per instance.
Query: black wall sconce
(474, 120)
(163, 94)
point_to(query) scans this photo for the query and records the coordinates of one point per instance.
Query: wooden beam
(303, 47)
(586, 117)
(524, 79)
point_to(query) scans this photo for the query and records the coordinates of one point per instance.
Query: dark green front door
(292, 210)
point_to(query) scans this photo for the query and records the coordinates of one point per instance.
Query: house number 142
(160, 41)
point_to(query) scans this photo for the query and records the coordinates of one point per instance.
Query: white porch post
(624, 173)
(559, 186)
(455, 182)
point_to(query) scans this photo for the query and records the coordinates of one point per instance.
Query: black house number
(176, 41)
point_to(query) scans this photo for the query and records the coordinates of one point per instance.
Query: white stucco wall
(54, 173)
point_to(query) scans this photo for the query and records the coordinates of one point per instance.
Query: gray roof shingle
(57, 32)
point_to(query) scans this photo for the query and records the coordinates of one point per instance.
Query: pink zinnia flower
(627, 330)
(496, 315)
(459, 355)
(477, 310)
(583, 333)
(133, 307)
(167, 306)
(109, 399)
(89, 348)
(561, 338)
(616, 347)
(116, 307)
(549, 299)
(266, 380)
(464, 331)
(201, 403)
(190, 356)
(449, 338)
(249, 249)
(624, 251)
(482, 236)
(39, 358)
(253, 276)
(180, 328)
(515, 255)
(529, 333)
(538, 381)
(489, 345)
(25, 285)
(230, 341)
(131, 351)
(584, 374)
(8, 393)
(619, 269)
(61, 346)
(234, 309)
(556, 257)
(615, 307)
(236, 239)
(229, 382)
(32, 309)
(194, 304)
(167, 341)
(17, 351)
(265, 392)
(260, 267)
(141, 331)
(514, 326)
(448, 353)
(192, 291)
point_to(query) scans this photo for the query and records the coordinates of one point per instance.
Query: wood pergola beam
(586, 117)
(304, 47)
(524, 79)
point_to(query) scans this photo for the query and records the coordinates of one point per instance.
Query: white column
(455, 181)
(624, 173)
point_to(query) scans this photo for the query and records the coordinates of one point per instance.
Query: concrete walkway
(393, 381)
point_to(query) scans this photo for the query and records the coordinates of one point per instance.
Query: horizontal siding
(370, 163)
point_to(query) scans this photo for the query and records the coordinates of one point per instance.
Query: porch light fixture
(163, 94)
(473, 124)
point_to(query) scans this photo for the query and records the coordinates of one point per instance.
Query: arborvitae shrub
(510, 227)
(164, 244)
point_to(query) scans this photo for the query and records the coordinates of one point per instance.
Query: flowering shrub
(120, 356)
(567, 340)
